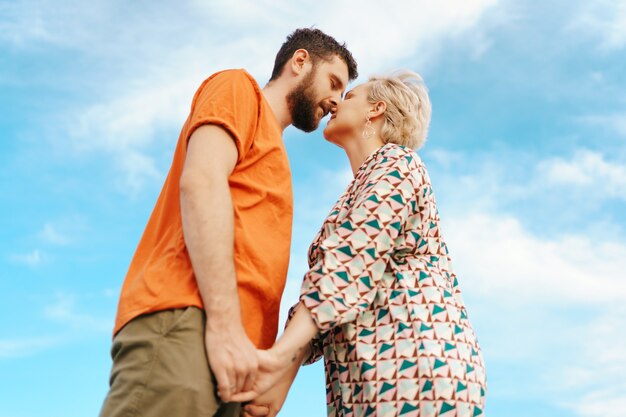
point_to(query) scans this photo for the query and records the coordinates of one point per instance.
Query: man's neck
(276, 96)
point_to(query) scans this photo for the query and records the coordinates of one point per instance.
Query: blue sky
(526, 152)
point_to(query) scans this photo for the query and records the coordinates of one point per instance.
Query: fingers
(255, 410)
(223, 381)
(248, 382)
(237, 385)
(243, 397)
(246, 373)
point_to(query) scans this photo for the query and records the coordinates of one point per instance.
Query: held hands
(269, 403)
(272, 367)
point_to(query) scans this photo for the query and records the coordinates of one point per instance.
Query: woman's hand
(269, 403)
(271, 368)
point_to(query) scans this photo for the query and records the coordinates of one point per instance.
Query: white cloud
(139, 169)
(501, 259)
(64, 311)
(604, 19)
(110, 293)
(21, 24)
(63, 231)
(604, 403)
(586, 169)
(615, 122)
(31, 259)
(152, 60)
(16, 348)
(51, 234)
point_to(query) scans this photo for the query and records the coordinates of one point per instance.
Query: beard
(302, 105)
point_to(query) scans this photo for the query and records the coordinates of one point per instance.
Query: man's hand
(232, 358)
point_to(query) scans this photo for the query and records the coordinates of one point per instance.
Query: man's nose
(333, 105)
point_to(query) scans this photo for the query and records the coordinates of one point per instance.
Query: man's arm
(208, 228)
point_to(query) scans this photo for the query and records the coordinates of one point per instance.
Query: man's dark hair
(319, 45)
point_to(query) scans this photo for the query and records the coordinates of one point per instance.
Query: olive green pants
(160, 369)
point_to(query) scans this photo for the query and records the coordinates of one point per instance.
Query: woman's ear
(299, 61)
(377, 109)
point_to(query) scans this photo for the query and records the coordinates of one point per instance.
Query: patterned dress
(394, 331)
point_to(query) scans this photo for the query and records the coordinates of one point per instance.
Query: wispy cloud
(615, 122)
(64, 310)
(604, 20)
(16, 348)
(51, 234)
(64, 230)
(597, 377)
(31, 259)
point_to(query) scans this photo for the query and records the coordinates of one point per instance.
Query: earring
(368, 131)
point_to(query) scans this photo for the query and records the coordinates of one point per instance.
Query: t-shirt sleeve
(230, 100)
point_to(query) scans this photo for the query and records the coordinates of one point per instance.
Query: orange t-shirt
(160, 275)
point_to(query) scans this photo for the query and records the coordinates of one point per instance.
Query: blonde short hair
(408, 112)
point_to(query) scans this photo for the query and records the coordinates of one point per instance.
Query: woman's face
(348, 120)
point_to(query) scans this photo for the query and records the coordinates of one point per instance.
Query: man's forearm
(208, 227)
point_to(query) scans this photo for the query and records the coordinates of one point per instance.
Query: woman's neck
(360, 149)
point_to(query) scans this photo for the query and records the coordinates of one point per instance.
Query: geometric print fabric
(394, 330)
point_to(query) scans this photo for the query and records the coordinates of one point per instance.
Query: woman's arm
(271, 402)
(279, 365)
(293, 346)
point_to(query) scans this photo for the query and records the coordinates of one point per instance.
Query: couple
(198, 312)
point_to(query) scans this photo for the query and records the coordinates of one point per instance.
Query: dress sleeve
(230, 100)
(354, 257)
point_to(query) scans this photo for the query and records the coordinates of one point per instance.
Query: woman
(380, 301)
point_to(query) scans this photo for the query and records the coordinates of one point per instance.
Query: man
(203, 289)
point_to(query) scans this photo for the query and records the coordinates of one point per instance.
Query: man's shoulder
(237, 76)
(231, 85)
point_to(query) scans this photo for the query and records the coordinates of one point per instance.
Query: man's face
(319, 91)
